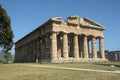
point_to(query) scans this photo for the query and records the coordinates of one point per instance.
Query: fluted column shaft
(94, 53)
(85, 45)
(37, 49)
(101, 43)
(76, 47)
(54, 47)
(65, 46)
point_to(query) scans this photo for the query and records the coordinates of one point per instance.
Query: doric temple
(73, 40)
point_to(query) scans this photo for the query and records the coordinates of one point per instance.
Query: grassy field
(96, 66)
(22, 72)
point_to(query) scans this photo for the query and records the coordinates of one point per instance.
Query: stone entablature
(60, 41)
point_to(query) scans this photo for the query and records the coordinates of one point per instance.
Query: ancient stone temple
(73, 40)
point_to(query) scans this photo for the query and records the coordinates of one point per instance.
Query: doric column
(54, 47)
(65, 46)
(94, 53)
(81, 47)
(35, 53)
(88, 49)
(85, 47)
(47, 44)
(76, 47)
(116, 56)
(27, 52)
(34, 50)
(40, 49)
(101, 44)
(30, 50)
(37, 46)
(43, 47)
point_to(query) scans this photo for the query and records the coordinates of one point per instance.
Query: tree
(8, 56)
(6, 33)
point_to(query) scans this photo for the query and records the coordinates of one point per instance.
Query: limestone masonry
(62, 41)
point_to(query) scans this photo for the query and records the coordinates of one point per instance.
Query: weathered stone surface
(94, 47)
(62, 41)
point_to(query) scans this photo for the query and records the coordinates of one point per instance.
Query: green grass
(22, 72)
(96, 66)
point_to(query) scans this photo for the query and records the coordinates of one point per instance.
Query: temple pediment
(77, 21)
(90, 23)
(73, 20)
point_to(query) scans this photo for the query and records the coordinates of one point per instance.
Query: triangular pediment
(90, 23)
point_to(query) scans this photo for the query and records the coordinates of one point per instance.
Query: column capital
(65, 33)
(101, 37)
(94, 36)
(85, 35)
(93, 40)
(76, 34)
(54, 32)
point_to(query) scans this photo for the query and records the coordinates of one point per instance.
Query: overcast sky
(27, 15)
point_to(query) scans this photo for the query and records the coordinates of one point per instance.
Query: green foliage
(1, 61)
(6, 33)
(8, 56)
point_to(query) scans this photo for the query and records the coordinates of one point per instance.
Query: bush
(1, 61)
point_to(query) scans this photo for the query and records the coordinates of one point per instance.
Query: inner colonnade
(58, 41)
